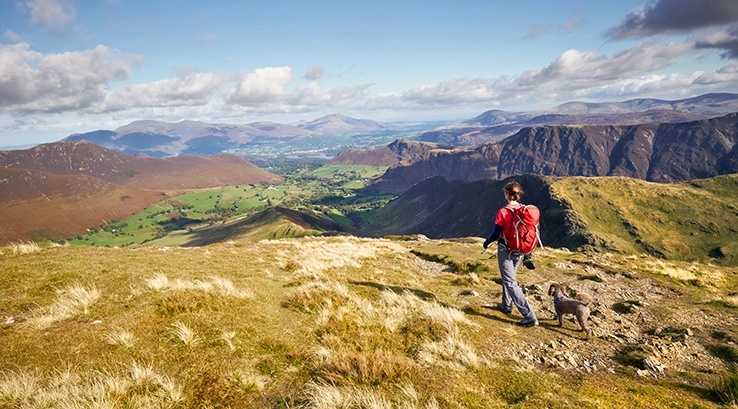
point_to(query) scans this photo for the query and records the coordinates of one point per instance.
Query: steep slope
(37, 205)
(183, 172)
(694, 220)
(460, 163)
(272, 223)
(659, 153)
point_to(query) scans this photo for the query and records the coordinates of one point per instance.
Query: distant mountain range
(652, 152)
(337, 132)
(495, 125)
(63, 188)
(161, 139)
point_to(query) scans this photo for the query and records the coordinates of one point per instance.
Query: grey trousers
(511, 291)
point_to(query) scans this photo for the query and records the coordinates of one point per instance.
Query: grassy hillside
(688, 221)
(345, 322)
(332, 190)
(696, 220)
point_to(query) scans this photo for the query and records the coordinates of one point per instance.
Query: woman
(509, 261)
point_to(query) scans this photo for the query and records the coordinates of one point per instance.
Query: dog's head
(555, 288)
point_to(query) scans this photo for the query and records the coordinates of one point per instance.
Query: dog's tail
(583, 298)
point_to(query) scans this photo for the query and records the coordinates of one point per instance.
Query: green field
(335, 190)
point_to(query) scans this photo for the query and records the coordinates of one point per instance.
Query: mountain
(454, 163)
(653, 152)
(162, 139)
(694, 220)
(272, 223)
(60, 189)
(140, 172)
(36, 205)
(398, 152)
(339, 124)
(495, 125)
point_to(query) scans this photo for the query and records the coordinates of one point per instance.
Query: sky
(72, 66)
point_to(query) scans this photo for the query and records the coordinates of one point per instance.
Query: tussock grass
(328, 396)
(214, 285)
(23, 247)
(172, 329)
(313, 257)
(185, 334)
(121, 338)
(137, 387)
(70, 302)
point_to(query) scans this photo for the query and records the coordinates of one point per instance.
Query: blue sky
(71, 66)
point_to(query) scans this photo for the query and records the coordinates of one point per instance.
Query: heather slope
(37, 206)
(140, 172)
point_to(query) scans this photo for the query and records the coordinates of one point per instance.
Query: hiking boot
(529, 322)
(528, 262)
(502, 309)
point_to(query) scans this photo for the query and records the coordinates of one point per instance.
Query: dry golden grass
(70, 302)
(307, 323)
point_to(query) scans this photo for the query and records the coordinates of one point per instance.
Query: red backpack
(525, 234)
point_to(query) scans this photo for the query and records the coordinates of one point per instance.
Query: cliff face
(652, 152)
(460, 164)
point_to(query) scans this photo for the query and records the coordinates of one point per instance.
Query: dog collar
(558, 296)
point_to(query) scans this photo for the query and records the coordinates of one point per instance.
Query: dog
(579, 306)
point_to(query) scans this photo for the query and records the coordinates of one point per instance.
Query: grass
(326, 322)
(329, 189)
(691, 221)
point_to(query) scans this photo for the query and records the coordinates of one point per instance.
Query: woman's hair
(513, 191)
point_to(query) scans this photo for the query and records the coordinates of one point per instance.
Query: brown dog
(579, 306)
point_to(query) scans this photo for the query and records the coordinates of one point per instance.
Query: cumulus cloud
(12, 36)
(727, 74)
(191, 90)
(32, 81)
(675, 16)
(56, 16)
(260, 86)
(573, 74)
(313, 94)
(725, 39)
(314, 73)
(588, 67)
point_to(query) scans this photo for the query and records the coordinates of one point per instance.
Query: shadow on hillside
(424, 295)
(552, 325)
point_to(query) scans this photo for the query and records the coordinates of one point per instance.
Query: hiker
(508, 259)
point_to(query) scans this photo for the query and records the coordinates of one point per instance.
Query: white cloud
(191, 90)
(260, 86)
(32, 81)
(313, 94)
(314, 73)
(583, 68)
(725, 75)
(56, 16)
(724, 39)
(13, 36)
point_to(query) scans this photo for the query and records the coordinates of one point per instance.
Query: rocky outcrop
(652, 152)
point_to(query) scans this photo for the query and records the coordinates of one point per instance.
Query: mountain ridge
(653, 152)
